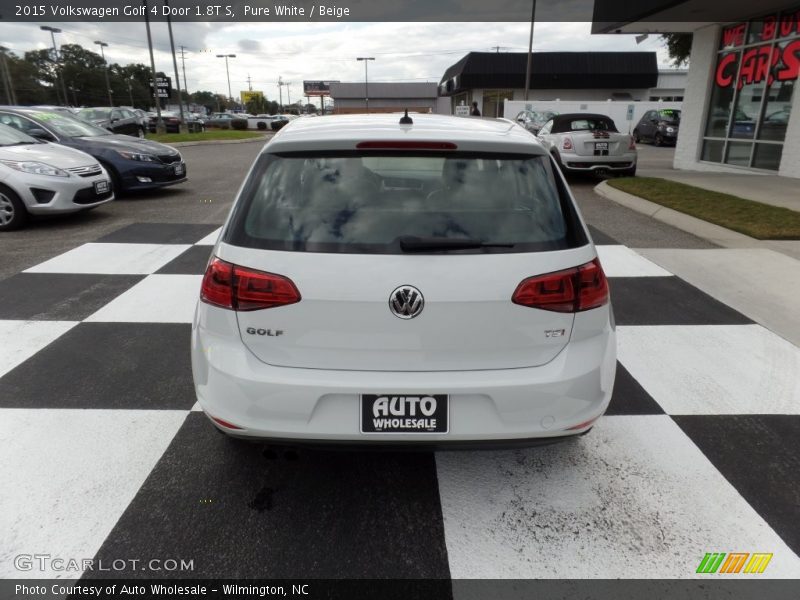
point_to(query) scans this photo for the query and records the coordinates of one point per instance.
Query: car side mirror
(40, 134)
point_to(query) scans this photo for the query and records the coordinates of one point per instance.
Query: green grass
(216, 134)
(760, 221)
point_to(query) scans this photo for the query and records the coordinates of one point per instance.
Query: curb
(702, 229)
(211, 142)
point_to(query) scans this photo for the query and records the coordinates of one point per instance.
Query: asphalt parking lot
(105, 454)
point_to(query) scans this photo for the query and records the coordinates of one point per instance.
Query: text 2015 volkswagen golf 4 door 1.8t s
(391, 282)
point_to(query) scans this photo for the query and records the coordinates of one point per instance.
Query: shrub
(239, 124)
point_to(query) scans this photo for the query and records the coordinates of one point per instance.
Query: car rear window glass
(367, 203)
(672, 116)
(577, 123)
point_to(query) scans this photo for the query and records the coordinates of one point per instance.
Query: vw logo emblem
(406, 302)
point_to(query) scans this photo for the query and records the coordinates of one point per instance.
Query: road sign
(248, 95)
(317, 88)
(164, 87)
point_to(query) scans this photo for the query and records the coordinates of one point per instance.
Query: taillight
(566, 144)
(632, 144)
(572, 290)
(239, 288)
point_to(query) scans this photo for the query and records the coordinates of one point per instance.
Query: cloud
(249, 45)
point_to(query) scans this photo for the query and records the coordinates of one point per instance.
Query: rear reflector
(405, 145)
(239, 288)
(224, 424)
(572, 290)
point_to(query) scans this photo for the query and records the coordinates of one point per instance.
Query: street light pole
(530, 52)
(53, 31)
(108, 83)
(366, 60)
(280, 94)
(227, 72)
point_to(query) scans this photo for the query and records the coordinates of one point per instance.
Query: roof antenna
(406, 120)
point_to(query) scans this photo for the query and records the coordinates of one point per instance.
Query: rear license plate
(101, 187)
(179, 169)
(404, 413)
(601, 145)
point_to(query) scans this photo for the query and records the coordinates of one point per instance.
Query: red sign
(758, 64)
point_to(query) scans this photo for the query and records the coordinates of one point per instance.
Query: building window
(757, 68)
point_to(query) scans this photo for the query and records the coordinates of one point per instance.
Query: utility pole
(530, 51)
(249, 86)
(182, 127)
(159, 121)
(366, 60)
(228, 73)
(280, 94)
(108, 84)
(8, 82)
(183, 65)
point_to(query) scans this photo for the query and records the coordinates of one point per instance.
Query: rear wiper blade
(409, 243)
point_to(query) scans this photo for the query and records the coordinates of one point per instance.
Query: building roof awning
(551, 70)
(671, 16)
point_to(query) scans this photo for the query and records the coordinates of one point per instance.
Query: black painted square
(159, 233)
(667, 301)
(191, 262)
(245, 510)
(106, 365)
(630, 398)
(58, 296)
(760, 456)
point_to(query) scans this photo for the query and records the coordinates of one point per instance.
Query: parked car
(534, 120)
(424, 281)
(67, 110)
(172, 122)
(224, 121)
(132, 164)
(280, 121)
(658, 126)
(39, 178)
(116, 120)
(589, 143)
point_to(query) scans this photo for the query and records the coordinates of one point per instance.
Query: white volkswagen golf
(396, 280)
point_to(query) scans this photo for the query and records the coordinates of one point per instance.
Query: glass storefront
(757, 68)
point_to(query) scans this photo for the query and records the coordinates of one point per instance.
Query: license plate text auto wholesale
(397, 413)
(101, 187)
(601, 145)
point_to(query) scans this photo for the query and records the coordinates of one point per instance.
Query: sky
(316, 51)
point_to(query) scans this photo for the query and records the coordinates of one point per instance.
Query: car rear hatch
(351, 232)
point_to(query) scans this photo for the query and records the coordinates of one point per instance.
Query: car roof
(569, 116)
(343, 132)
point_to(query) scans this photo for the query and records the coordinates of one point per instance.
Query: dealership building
(741, 110)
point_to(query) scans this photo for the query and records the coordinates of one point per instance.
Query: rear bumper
(527, 406)
(574, 162)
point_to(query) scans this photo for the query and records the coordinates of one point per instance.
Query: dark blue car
(133, 164)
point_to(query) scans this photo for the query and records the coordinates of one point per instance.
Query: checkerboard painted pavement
(104, 453)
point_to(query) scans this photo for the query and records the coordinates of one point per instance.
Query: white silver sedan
(589, 143)
(42, 178)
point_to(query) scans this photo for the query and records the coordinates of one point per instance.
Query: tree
(679, 46)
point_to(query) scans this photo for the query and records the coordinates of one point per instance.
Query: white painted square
(713, 369)
(210, 239)
(19, 340)
(196, 407)
(68, 475)
(112, 259)
(633, 498)
(621, 261)
(155, 299)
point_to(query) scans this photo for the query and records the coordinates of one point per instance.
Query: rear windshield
(584, 124)
(359, 203)
(671, 116)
